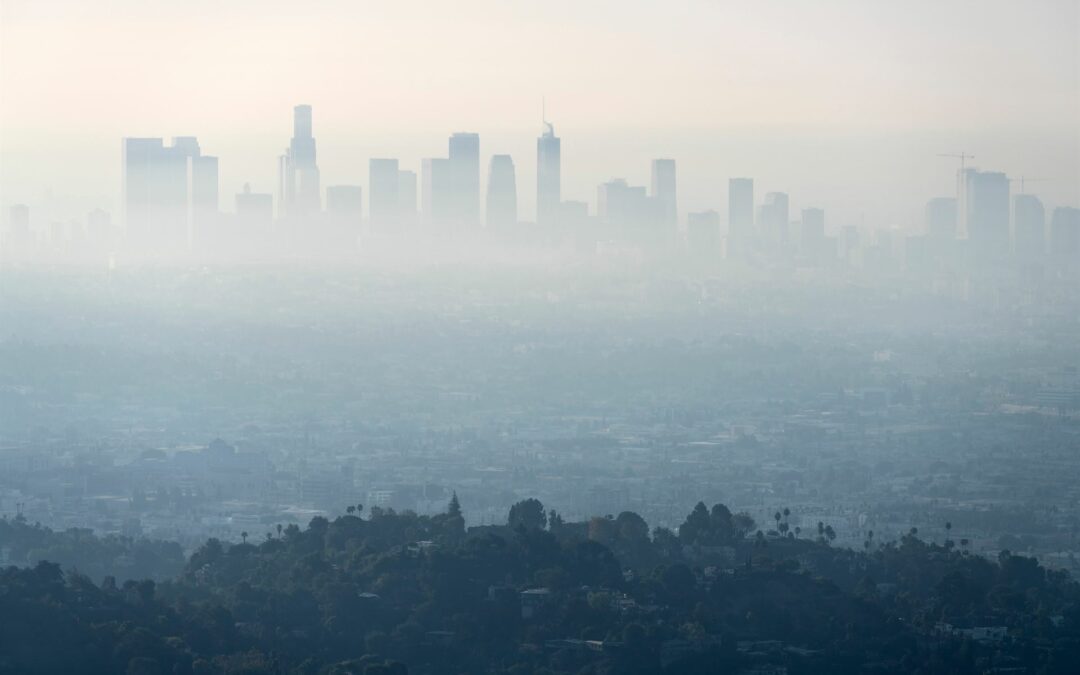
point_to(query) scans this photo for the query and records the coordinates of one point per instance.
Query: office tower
(629, 212)
(664, 191)
(203, 196)
(384, 207)
(812, 233)
(437, 192)
(703, 232)
(987, 215)
(940, 218)
(1065, 237)
(299, 173)
(740, 214)
(464, 163)
(167, 191)
(406, 191)
(1029, 228)
(501, 192)
(773, 216)
(548, 176)
(344, 206)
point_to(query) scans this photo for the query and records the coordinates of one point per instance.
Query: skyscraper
(548, 176)
(987, 215)
(1065, 237)
(464, 158)
(812, 234)
(664, 191)
(940, 217)
(773, 217)
(384, 207)
(299, 173)
(167, 192)
(740, 214)
(501, 193)
(1029, 226)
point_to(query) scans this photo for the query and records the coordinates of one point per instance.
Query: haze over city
(541, 338)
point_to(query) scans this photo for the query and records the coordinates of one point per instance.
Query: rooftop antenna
(548, 129)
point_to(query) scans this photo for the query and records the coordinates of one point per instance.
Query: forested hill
(400, 593)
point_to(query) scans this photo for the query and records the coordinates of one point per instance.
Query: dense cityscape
(731, 338)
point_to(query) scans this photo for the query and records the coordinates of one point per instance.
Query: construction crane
(963, 157)
(1024, 179)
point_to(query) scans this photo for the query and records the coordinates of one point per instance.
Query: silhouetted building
(548, 176)
(940, 217)
(465, 179)
(664, 190)
(1065, 237)
(300, 187)
(168, 191)
(1029, 228)
(740, 214)
(773, 217)
(501, 205)
(384, 207)
(629, 213)
(812, 235)
(987, 215)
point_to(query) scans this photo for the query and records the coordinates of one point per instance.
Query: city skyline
(893, 88)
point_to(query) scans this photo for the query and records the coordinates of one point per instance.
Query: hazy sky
(844, 104)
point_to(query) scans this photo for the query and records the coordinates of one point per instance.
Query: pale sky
(844, 104)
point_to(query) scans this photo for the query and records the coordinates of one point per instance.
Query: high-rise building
(437, 197)
(1029, 228)
(987, 215)
(629, 212)
(344, 206)
(812, 234)
(548, 176)
(1065, 237)
(383, 204)
(773, 216)
(664, 191)
(940, 217)
(168, 192)
(299, 172)
(740, 214)
(501, 193)
(464, 163)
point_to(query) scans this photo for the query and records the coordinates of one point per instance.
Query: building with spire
(548, 174)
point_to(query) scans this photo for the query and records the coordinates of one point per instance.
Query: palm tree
(243, 535)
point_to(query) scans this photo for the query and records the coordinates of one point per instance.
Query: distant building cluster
(171, 208)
